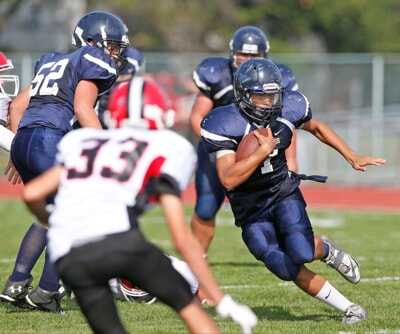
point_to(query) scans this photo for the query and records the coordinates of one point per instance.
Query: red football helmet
(132, 293)
(139, 102)
(9, 84)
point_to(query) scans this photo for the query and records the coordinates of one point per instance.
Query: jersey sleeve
(6, 137)
(99, 68)
(170, 170)
(180, 160)
(4, 105)
(296, 108)
(213, 77)
(223, 129)
(289, 81)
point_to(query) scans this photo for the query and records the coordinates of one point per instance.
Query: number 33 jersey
(107, 172)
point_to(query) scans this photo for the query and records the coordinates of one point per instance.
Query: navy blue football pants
(283, 240)
(210, 193)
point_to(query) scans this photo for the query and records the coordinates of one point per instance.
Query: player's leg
(321, 289)
(149, 268)
(48, 294)
(209, 198)
(80, 271)
(266, 244)
(33, 153)
(94, 299)
(262, 241)
(345, 264)
(32, 246)
(298, 238)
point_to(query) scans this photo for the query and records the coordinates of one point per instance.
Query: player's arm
(188, 246)
(291, 154)
(6, 137)
(18, 107)
(232, 173)
(16, 111)
(325, 134)
(84, 102)
(201, 107)
(191, 251)
(36, 191)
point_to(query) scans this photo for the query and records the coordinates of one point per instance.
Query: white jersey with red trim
(6, 136)
(5, 101)
(108, 171)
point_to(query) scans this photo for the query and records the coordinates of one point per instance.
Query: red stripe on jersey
(154, 170)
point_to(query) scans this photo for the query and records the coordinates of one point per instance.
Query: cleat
(15, 292)
(353, 314)
(46, 301)
(344, 263)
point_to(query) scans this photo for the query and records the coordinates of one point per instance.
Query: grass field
(374, 238)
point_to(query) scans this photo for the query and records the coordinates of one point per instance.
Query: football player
(65, 87)
(264, 195)
(110, 178)
(9, 87)
(214, 79)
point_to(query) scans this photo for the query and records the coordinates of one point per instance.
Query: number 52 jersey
(53, 88)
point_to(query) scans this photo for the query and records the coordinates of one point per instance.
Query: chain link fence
(356, 94)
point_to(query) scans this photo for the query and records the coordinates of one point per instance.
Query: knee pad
(207, 206)
(281, 265)
(300, 248)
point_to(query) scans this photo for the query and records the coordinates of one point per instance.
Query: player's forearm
(188, 246)
(88, 119)
(6, 137)
(192, 253)
(38, 208)
(329, 137)
(17, 109)
(233, 174)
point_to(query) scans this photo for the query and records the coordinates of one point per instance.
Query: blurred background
(345, 56)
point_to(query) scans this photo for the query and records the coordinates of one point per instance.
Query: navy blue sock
(326, 246)
(49, 279)
(30, 250)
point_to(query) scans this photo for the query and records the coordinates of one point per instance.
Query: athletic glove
(241, 314)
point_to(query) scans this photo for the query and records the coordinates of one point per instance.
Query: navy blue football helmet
(134, 61)
(249, 40)
(99, 28)
(258, 76)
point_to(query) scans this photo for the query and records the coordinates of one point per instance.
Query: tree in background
(206, 25)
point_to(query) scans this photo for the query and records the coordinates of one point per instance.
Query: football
(249, 144)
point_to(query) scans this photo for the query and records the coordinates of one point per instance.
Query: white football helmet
(9, 84)
(125, 290)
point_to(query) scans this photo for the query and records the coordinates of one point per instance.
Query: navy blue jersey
(223, 129)
(214, 78)
(56, 78)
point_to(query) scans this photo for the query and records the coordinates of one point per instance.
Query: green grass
(281, 307)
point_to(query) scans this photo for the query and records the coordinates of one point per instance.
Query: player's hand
(241, 314)
(359, 162)
(13, 175)
(267, 143)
